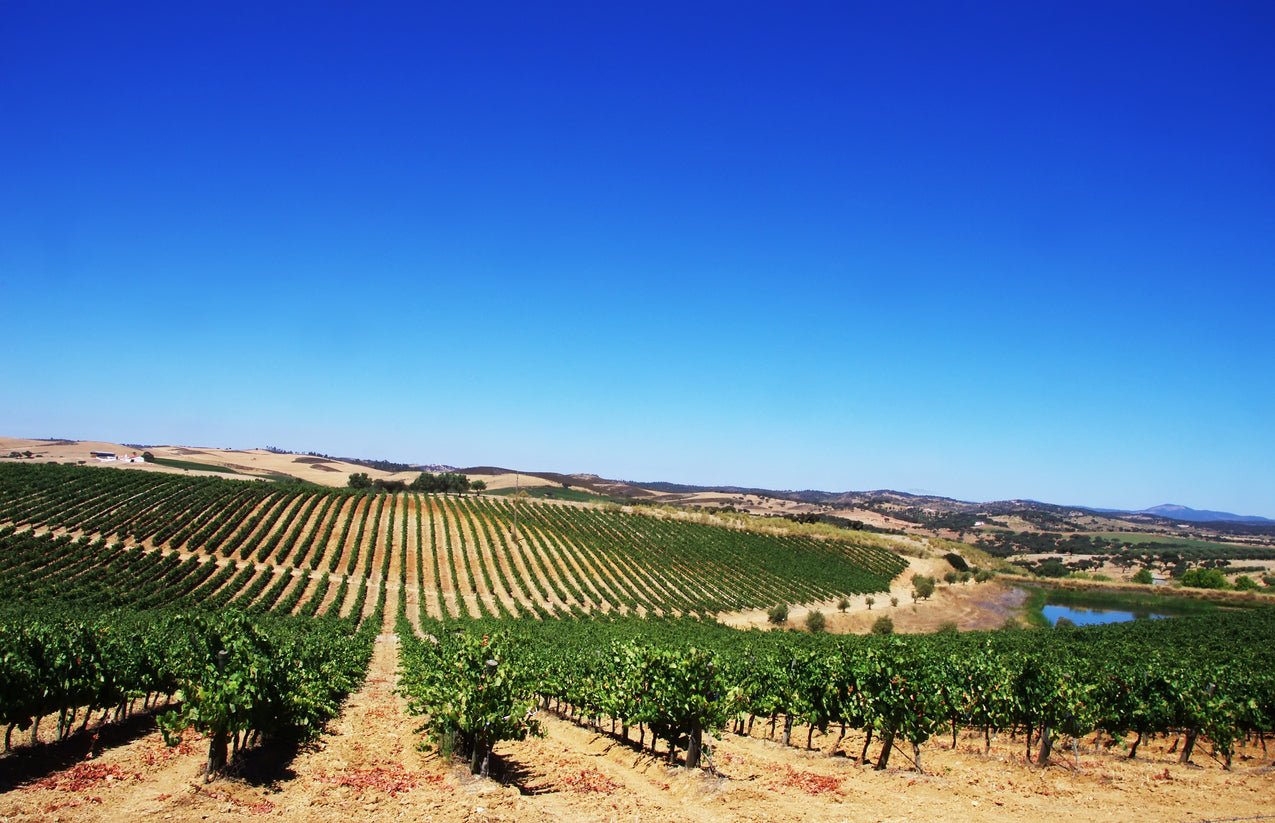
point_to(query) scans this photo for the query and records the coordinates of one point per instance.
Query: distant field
(558, 493)
(1136, 538)
(191, 465)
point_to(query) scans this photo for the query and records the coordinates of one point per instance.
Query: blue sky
(986, 250)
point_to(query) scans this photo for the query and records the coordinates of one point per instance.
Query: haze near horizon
(1008, 251)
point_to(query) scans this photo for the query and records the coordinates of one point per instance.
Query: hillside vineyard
(259, 545)
(251, 610)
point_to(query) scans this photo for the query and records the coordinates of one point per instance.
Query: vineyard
(237, 614)
(310, 551)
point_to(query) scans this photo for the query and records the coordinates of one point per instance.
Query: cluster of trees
(955, 521)
(1004, 544)
(1212, 578)
(452, 482)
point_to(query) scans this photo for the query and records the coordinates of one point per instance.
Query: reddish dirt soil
(369, 767)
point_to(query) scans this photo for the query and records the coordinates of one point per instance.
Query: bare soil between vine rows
(368, 767)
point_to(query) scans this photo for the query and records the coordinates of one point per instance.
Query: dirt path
(368, 767)
(411, 560)
(432, 570)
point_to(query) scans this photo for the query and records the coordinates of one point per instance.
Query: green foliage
(778, 614)
(816, 622)
(473, 691)
(843, 604)
(1051, 567)
(1245, 583)
(883, 625)
(1204, 579)
(922, 587)
(449, 482)
(234, 675)
(359, 480)
(237, 675)
(1143, 576)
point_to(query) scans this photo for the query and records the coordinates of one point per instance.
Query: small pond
(1084, 616)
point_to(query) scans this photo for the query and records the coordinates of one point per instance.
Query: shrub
(1143, 576)
(1245, 583)
(922, 587)
(883, 625)
(816, 622)
(894, 601)
(1204, 579)
(948, 627)
(983, 575)
(778, 614)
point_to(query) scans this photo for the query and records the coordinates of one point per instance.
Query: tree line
(445, 482)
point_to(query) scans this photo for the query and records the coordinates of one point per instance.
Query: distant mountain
(1172, 511)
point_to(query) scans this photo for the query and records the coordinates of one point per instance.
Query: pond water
(1083, 616)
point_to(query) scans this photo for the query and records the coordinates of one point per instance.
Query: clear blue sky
(988, 250)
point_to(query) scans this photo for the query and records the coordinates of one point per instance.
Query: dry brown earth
(368, 767)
